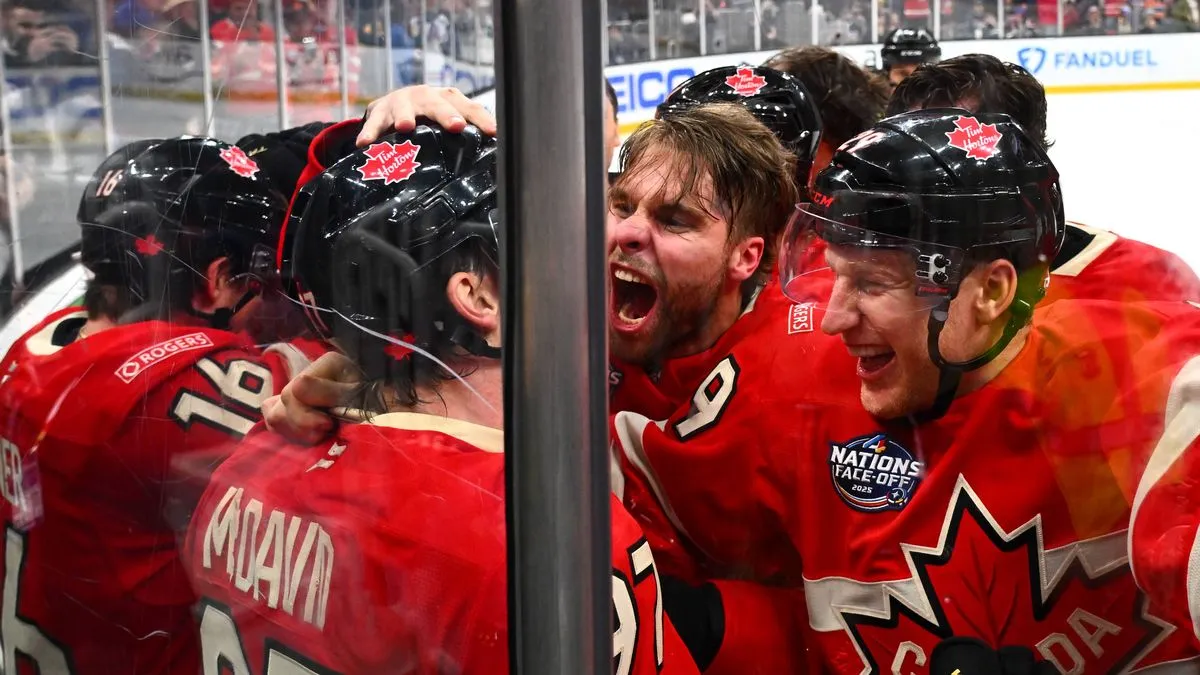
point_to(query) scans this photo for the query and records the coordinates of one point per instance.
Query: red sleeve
(644, 641)
(764, 629)
(1164, 533)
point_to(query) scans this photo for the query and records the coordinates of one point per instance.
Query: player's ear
(477, 299)
(745, 257)
(997, 290)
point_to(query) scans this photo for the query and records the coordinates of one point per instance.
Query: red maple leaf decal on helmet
(746, 83)
(390, 162)
(979, 140)
(240, 162)
(149, 245)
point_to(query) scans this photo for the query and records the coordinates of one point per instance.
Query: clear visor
(818, 251)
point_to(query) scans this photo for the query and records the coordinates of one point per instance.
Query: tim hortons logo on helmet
(390, 162)
(240, 162)
(746, 83)
(153, 354)
(980, 141)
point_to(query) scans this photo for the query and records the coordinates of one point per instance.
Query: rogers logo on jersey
(874, 473)
(390, 162)
(746, 83)
(240, 162)
(800, 318)
(979, 140)
(152, 355)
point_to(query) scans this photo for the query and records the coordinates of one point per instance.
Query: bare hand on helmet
(400, 109)
(304, 411)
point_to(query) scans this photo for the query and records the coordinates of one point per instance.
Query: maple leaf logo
(1077, 606)
(148, 245)
(240, 162)
(390, 162)
(400, 352)
(746, 83)
(979, 140)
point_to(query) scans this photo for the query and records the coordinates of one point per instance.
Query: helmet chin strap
(951, 372)
(472, 342)
(223, 316)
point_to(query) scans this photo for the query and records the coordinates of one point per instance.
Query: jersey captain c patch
(874, 473)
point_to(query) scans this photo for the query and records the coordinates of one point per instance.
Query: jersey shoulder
(1112, 267)
(407, 527)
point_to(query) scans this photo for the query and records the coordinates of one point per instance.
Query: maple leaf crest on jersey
(978, 140)
(745, 82)
(1077, 606)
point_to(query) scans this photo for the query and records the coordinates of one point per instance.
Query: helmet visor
(818, 250)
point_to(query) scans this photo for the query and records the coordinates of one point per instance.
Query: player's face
(900, 71)
(612, 136)
(668, 262)
(884, 324)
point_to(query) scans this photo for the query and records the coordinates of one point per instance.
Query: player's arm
(1164, 533)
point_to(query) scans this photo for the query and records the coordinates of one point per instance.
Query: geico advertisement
(1060, 63)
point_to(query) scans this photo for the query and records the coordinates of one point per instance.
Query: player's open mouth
(872, 361)
(633, 299)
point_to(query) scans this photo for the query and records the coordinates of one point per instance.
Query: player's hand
(300, 412)
(399, 110)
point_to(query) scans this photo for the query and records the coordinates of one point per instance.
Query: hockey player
(775, 98)
(904, 49)
(383, 548)
(849, 98)
(109, 437)
(954, 465)
(1093, 263)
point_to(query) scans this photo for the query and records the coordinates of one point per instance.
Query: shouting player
(108, 437)
(1093, 263)
(383, 548)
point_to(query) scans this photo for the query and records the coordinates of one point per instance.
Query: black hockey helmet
(381, 233)
(909, 46)
(947, 187)
(101, 251)
(196, 199)
(776, 99)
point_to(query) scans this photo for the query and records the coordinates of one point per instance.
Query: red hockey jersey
(1164, 535)
(1110, 267)
(383, 550)
(107, 444)
(1006, 519)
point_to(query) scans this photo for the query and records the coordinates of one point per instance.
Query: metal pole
(555, 338)
(389, 61)
(1001, 22)
(1061, 20)
(814, 19)
(281, 78)
(343, 64)
(10, 183)
(604, 33)
(424, 27)
(206, 83)
(758, 25)
(106, 114)
(651, 29)
(875, 21)
(703, 27)
(937, 18)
